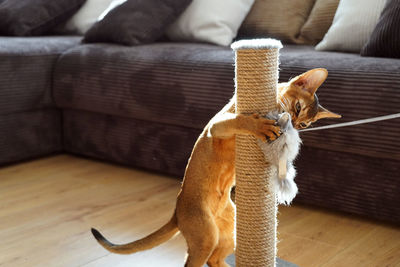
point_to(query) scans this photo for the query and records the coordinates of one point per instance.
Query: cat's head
(298, 98)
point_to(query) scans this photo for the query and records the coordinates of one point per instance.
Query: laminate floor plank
(48, 205)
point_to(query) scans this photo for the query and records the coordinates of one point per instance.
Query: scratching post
(256, 67)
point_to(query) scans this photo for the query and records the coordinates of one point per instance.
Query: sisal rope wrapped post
(256, 79)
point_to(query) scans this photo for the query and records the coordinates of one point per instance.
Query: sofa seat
(186, 84)
(30, 125)
(28, 134)
(144, 106)
(26, 67)
(144, 144)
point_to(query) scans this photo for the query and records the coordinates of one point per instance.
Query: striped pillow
(318, 22)
(385, 39)
(281, 19)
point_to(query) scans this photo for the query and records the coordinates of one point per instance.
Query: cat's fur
(204, 212)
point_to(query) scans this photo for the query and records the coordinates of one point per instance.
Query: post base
(279, 263)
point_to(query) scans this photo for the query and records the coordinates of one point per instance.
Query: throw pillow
(318, 22)
(35, 17)
(385, 39)
(136, 21)
(86, 16)
(352, 25)
(210, 21)
(281, 19)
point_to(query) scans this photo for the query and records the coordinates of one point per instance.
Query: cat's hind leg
(201, 235)
(226, 242)
(224, 248)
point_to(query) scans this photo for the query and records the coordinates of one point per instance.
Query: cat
(204, 212)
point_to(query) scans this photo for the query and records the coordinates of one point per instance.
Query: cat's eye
(298, 108)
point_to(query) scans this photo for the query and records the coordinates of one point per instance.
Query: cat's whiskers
(281, 104)
(284, 103)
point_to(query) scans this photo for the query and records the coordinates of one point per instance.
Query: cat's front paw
(265, 129)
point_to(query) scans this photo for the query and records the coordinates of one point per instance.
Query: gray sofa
(144, 106)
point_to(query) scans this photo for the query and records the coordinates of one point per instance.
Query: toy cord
(352, 123)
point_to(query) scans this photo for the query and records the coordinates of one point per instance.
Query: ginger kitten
(204, 212)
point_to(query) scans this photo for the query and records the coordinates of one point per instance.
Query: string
(352, 123)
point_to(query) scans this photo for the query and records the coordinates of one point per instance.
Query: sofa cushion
(385, 39)
(281, 19)
(186, 84)
(35, 17)
(173, 83)
(352, 25)
(318, 22)
(86, 16)
(219, 25)
(26, 66)
(135, 22)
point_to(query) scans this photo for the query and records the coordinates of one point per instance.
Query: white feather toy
(281, 153)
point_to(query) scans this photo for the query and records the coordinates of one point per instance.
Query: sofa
(144, 106)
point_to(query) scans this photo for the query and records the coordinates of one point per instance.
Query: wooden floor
(48, 206)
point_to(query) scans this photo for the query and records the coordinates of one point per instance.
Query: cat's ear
(311, 80)
(324, 113)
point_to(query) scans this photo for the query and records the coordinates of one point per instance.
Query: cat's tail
(154, 239)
